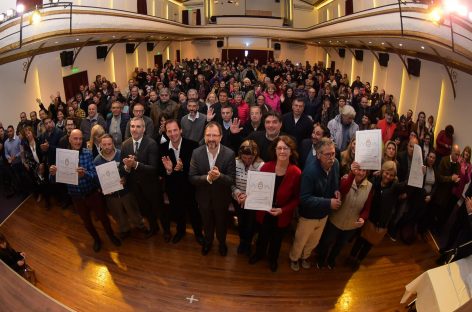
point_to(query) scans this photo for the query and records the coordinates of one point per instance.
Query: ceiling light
(56, 42)
(77, 39)
(422, 47)
(451, 6)
(113, 36)
(319, 42)
(383, 43)
(462, 10)
(400, 44)
(436, 15)
(20, 8)
(370, 42)
(345, 41)
(36, 17)
(10, 12)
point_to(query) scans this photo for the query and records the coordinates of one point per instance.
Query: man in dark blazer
(176, 155)
(297, 123)
(139, 163)
(116, 123)
(212, 171)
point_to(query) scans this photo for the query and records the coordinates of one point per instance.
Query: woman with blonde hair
(93, 144)
(247, 160)
(385, 196)
(389, 151)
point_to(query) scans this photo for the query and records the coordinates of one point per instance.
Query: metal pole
(21, 31)
(70, 17)
(401, 15)
(452, 30)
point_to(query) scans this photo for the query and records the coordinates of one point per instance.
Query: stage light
(450, 6)
(462, 10)
(36, 17)
(20, 8)
(436, 15)
(10, 12)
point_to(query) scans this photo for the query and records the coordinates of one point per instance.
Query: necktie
(136, 147)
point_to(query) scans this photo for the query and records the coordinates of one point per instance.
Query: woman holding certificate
(274, 223)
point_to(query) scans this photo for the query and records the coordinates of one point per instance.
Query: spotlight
(20, 8)
(451, 6)
(36, 17)
(10, 12)
(436, 15)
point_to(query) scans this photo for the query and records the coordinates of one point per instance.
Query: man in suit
(176, 155)
(138, 111)
(297, 123)
(212, 171)
(139, 163)
(116, 123)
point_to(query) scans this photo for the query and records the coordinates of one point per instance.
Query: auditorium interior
(420, 52)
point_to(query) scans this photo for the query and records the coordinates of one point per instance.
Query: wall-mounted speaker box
(102, 52)
(67, 58)
(213, 19)
(359, 55)
(414, 66)
(220, 43)
(342, 53)
(277, 46)
(150, 46)
(130, 48)
(383, 59)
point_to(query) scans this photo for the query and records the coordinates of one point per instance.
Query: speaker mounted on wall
(414, 66)
(67, 57)
(342, 52)
(130, 48)
(102, 52)
(383, 59)
(359, 54)
(220, 43)
(150, 46)
(277, 46)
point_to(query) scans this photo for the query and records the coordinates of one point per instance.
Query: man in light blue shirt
(13, 157)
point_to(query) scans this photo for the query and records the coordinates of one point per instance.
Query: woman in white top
(247, 159)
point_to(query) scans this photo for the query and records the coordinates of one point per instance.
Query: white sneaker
(295, 266)
(306, 264)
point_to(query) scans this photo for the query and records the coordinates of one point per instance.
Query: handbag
(28, 274)
(372, 233)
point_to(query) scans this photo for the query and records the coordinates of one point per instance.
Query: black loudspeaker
(414, 67)
(102, 52)
(277, 46)
(342, 53)
(67, 57)
(383, 59)
(213, 19)
(359, 55)
(150, 46)
(220, 43)
(130, 48)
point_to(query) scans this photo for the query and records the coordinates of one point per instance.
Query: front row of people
(201, 181)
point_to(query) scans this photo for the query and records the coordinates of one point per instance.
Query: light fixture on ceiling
(20, 8)
(36, 17)
(422, 47)
(56, 42)
(383, 43)
(77, 39)
(370, 42)
(400, 44)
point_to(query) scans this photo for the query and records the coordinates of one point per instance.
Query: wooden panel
(16, 294)
(151, 275)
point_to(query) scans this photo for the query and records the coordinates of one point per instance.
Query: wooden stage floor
(151, 275)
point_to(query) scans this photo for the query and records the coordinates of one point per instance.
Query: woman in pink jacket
(272, 99)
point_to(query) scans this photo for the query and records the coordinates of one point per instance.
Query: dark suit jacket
(300, 130)
(144, 177)
(219, 192)
(177, 183)
(123, 123)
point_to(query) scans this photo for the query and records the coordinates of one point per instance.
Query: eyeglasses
(328, 155)
(282, 148)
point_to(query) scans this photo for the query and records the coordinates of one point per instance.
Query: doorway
(73, 82)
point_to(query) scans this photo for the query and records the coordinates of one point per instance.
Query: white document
(369, 149)
(109, 177)
(67, 162)
(259, 190)
(416, 170)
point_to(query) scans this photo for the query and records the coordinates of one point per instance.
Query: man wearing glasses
(319, 193)
(212, 171)
(138, 111)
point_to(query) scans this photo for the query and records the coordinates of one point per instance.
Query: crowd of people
(185, 135)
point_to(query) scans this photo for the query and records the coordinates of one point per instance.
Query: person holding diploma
(85, 195)
(319, 195)
(274, 223)
(122, 204)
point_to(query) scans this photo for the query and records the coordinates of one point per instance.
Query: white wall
(431, 92)
(265, 5)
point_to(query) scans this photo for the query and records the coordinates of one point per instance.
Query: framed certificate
(259, 190)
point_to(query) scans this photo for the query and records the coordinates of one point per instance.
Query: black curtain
(142, 7)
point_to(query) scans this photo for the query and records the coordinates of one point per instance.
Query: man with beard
(212, 171)
(165, 106)
(193, 123)
(272, 124)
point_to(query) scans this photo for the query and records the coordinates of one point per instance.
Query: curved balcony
(449, 41)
